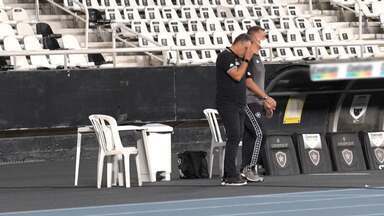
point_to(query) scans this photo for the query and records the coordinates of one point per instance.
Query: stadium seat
(241, 12)
(217, 143)
(75, 60)
(145, 43)
(31, 43)
(293, 11)
(195, 26)
(19, 62)
(235, 34)
(287, 23)
(224, 12)
(169, 13)
(113, 15)
(111, 4)
(187, 56)
(52, 44)
(220, 38)
(347, 35)
(267, 24)
(188, 12)
(203, 3)
(247, 23)
(139, 27)
(294, 37)
(373, 147)
(213, 25)
(3, 16)
(203, 39)
(157, 26)
(231, 25)
(275, 37)
(312, 35)
(302, 23)
(377, 8)
(259, 12)
(175, 26)
(19, 14)
(365, 10)
(265, 55)
(24, 29)
(152, 13)
(329, 35)
(71, 5)
(92, 4)
(372, 51)
(207, 13)
(130, 3)
(166, 40)
(184, 3)
(110, 145)
(6, 30)
(318, 23)
(277, 11)
(146, 3)
(131, 13)
(257, 2)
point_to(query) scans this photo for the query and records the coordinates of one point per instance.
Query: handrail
(83, 7)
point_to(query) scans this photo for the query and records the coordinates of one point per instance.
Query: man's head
(241, 44)
(257, 34)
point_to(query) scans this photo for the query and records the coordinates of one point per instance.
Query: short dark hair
(254, 29)
(242, 38)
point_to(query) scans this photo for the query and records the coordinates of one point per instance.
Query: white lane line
(303, 210)
(230, 206)
(184, 201)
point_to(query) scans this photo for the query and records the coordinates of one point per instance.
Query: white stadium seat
(157, 26)
(19, 14)
(247, 23)
(203, 3)
(294, 37)
(169, 13)
(152, 13)
(75, 60)
(203, 39)
(293, 11)
(113, 14)
(318, 23)
(3, 16)
(207, 13)
(188, 12)
(220, 38)
(94, 4)
(24, 29)
(195, 26)
(224, 12)
(20, 62)
(275, 37)
(71, 5)
(146, 3)
(139, 27)
(6, 30)
(130, 3)
(213, 25)
(259, 11)
(145, 43)
(187, 56)
(175, 26)
(267, 24)
(312, 35)
(111, 4)
(241, 12)
(277, 11)
(231, 25)
(302, 23)
(184, 3)
(166, 3)
(31, 43)
(131, 13)
(287, 23)
(166, 40)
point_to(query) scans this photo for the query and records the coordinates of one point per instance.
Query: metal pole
(86, 26)
(114, 44)
(360, 21)
(37, 8)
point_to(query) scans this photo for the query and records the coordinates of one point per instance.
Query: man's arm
(253, 87)
(238, 72)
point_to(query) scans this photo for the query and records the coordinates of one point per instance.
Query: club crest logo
(314, 156)
(379, 154)
(281, 158)
(347, 156)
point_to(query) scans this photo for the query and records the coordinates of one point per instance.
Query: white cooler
(155, 153)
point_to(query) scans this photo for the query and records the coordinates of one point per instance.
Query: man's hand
(271, 102)
(268, 109)
(253, 49)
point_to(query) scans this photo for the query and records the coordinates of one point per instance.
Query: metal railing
(84, 10)
(178, 48)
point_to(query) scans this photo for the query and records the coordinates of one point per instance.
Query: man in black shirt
(231, 65)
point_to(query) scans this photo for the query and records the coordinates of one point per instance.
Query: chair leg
(127, 171)
(100, 165)
(109, 171)
(222, 161)
(120, 174)
(211, 155)
(138, 170)
(115, 170)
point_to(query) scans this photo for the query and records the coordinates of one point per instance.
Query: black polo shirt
(228, 90)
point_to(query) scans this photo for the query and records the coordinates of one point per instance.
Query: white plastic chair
(366, 11)
(267, 24)
(265, 54)
(19, 14)
(165, 3)
(31, 43)
(6, 30)
(220, 38)
(166, 40)
(71, 5)
(224, 12)
(113, 14)
(175, 26)
(207, 13)
(318, 23)
(188, 13)
(110, 146)
(247, 23)
(3, 16)
(302, 23)
(20, 62)
(203, 39)
(231, 25)
(146, 3)
(187, 56)
(213, 25)
(169, 13)
(277, 11)
(157, 26)
(152, 13)
(93, 4)
(372, 51)
(184, 3)
(203, 3)
(145, 43)
(293, 11)
(241, 12)
(287, 23)
(217, 143)
(24, 29)
(131, 13)
(139, 27)
(75, 60)
(259, 12)
(195, 26)
(130, 3)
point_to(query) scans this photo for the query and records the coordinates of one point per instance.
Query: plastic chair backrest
(31, 43)
(106, 132)
(24, 29)
(19, 14)
(211, 114)
(12, 44)
(3, 16)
